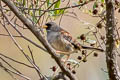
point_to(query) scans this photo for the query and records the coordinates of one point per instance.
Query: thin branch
(47, 9)
(9, 35)
(31, 54)
(16, 73)
(20, 48)
(10, 65)
(68, 7)
(91, 30)
(34, 29)
(16, 61)
(12, 75)
(23, 35)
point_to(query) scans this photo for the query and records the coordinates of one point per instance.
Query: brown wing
(66, 35)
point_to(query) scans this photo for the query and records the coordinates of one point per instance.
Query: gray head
(52, 26)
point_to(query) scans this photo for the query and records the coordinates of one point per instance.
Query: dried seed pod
(73, 71)
(118, 10)
(84, 52)
(95, 11)
(53, 68)
(68, 64)
(102, 5)
(95, 54)
(81, 1)
(83, 37)
(99, 25)
(116, 2)
(79, 58)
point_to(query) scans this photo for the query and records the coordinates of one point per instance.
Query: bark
(111, 57)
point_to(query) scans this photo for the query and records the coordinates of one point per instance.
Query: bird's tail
(77, 45)
(92, 48)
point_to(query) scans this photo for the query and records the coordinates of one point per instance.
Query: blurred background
(93, 69)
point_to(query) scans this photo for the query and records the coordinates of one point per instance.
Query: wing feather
(66, 35)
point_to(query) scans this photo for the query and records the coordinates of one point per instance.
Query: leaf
(102, 1)
(95, 5)
(90, 12)
(29, 9)
(58, 13)
(48, 3)
(34, 19)
(24, 2)
(62, 11)
(20, 1)
(31, 13)
(39, 11)
(57, 5)
(37, 1)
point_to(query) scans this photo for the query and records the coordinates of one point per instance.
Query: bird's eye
(48, 25)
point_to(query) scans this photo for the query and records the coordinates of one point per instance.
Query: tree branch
(16, 73)
(34, 29)
(48, 10)
(111, 58)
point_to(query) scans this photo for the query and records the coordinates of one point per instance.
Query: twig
(23, 35)
(31, 54)
(47, 9)
(10, 65)
(68, 7)
(16, 61)
(34, 29)
(9, 35)
(20, 48)
(16, 73)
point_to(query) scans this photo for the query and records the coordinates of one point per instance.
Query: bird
(62, 41)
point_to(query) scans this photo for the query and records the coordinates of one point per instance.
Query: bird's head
(51, 26)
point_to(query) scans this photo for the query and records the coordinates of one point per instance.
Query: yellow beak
(44, 26)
